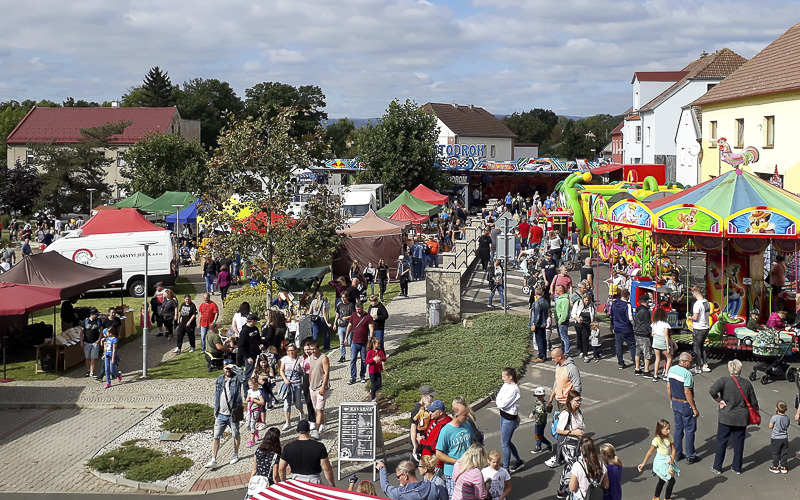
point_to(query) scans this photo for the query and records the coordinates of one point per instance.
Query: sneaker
(312, 425)
(706, 369)
(737, 472)
(647, 375)
(234, 459)
(119, 378)
(596, 360)
(561, 494)
(715, 471)
(552, 462)
(692, 460)
(586, 359)
(490, 306)
(341, 360)
(698, 370)
(177, 350)
(637, 372)
(784, 470)
(191, 349)
(211, 463)
(680, 457)
(352, 381)
(107, 385)
(88, 374)
(363, 380)
(518, 465)
(775, 470)
(536, 450)
(286, 426)
(656, 379)
(314, 435)
(622, 366)
(250, 443)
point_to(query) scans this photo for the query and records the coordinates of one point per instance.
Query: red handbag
(754, 417)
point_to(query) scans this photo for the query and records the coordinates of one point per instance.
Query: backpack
(595, 491)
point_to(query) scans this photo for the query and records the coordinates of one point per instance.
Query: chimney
(114, 104)
(471, 107)
(455, 105)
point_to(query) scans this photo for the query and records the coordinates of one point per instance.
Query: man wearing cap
(307, 458)
(454, 440)
(403, 275)
(427, 442)
(227, 396)
(418, 426)
(643, 332)
(249, 346)
(362, 326)
(90, 340)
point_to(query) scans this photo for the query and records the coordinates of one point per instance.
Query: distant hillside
(500, 117)
(358, 122)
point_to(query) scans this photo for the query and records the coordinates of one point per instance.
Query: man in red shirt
(524, 229)
(209, 312)
(438, 420)
(362, 326)
(535, 234)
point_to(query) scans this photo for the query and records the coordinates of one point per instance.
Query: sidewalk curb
(20, 405)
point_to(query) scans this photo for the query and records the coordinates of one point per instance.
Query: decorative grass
(188, 417)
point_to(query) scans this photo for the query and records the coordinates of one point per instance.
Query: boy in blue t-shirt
(454, 439)
(779, 439)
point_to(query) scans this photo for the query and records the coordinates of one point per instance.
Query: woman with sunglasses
(571, 428)
(291, 372)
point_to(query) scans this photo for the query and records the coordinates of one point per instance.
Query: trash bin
(434, 312)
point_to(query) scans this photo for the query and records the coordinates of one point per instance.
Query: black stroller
(185, 256)
(770, 351)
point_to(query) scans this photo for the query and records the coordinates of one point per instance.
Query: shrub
(188, 417)
(456, 361)
(159, 469)
(122, 459)
(5, 220)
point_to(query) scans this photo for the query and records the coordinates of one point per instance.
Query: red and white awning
(301, 490)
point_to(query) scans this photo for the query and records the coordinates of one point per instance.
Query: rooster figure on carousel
(747, 156)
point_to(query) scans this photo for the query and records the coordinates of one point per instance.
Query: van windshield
(355, 210)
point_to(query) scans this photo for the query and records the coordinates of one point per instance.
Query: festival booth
(301, 490)
(187, 215)
(428, 195)
(129, 220)
(163, 205)
(369, 240)
(414, 203)
(136, 200)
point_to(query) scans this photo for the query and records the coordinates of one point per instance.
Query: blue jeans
(507, 428)
(540, 334)
(379, 336)
(498, 289)
(418, 268)
(110, 367)
(203, 332)
(538, 435)
(225, 421)
(563, 332)
(626, 338)
(320, 325)
(248, 372)
(356, 348)
(210, 279)
(433, 259)
(685, 424)
(342, 349)
(735, 434)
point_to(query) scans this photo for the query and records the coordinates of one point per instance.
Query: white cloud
(571, 55)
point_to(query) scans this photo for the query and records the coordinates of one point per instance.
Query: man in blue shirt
(454, 439)
(417, 255)
(681, 399)
(26, 247)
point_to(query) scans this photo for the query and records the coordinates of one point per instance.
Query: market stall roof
(426, 194)
(373, 224)
(136, 200)
(16, 299)
(163, 204)
(186, 216)
(300, 279)
(414, 203)
(124, 220)
(403, 213)
(52, 270)
(301, 490)
(737, 203)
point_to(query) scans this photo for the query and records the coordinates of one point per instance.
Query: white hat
(539, 391)
(400, 258)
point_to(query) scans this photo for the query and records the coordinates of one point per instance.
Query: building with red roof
(64, 125)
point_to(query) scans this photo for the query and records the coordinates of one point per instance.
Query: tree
(534, 126)
(256, 158)
(20, 189)
(207, 100)
(400, 150)
(165, 162)
(341, 135)
(268, 99)
(67, 172)
(11, 113)
(156, 91)
(70, 102)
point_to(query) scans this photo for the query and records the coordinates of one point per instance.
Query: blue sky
(573, 56)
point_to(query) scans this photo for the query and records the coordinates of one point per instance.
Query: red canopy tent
(16, 299)
(404, 213)
(429, 195)
(124, 220)
(301, 490)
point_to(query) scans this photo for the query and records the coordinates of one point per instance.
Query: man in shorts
(90, 340)
(307, 459)
(227, 396)
(643, 333)
(319, 384)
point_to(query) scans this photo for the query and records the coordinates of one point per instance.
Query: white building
(472, 125)
(687, 152)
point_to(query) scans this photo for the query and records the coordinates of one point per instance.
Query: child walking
(539, 416)
(110, 355)
(255, 409)
(496, 477)
(664, 465)
(779, 439)
(614, 468)
(594, 339)
(375, 359)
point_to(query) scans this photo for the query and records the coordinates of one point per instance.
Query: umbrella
(16, 299)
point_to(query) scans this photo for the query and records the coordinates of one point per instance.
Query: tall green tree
(70, 102)
(400, 150)
(534, 126)
(156, 91)
(67, 172)
(341, 136)
(208, 100)
(256, 158)
(11, 113)
(307, 102)
(165, 162)
(20, 189)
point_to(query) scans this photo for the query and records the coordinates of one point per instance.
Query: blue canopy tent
(186, 216)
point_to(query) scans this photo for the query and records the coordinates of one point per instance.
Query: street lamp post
(177, 234)
(91, 198)
(146, 246)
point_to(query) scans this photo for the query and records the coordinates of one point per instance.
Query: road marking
(610, 380)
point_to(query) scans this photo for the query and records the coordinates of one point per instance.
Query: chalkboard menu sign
(357, 426)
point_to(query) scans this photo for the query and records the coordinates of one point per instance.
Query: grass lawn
(456, 361)
(24, 368)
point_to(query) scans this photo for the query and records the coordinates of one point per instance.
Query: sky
(575, 57)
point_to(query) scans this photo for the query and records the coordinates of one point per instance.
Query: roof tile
(469, 121)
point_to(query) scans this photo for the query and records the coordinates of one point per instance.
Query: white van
(359, 199)
(124, 250)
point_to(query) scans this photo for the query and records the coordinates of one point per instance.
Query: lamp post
(91, 198)
(177, 234)
(146, 246)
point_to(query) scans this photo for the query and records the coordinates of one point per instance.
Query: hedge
(456, 360)
(188, 417)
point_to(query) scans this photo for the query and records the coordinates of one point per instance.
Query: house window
(647, 138)
(740, 132)
(713, 139)
(493, 150)
(638, 134)
(28, 156)
(121, 159)
(710, 86)
(770, 131)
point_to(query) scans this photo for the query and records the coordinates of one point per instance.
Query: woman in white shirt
(588, 471)
(583, 313)
(507, 400)
(239, 319)
(661, 342)
(554, 243)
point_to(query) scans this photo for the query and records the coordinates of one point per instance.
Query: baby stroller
(186, 256)
(770, 351)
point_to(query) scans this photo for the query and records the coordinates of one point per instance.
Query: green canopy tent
(414, 203)
(163, 205)
(300, 279)
(136, 200)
